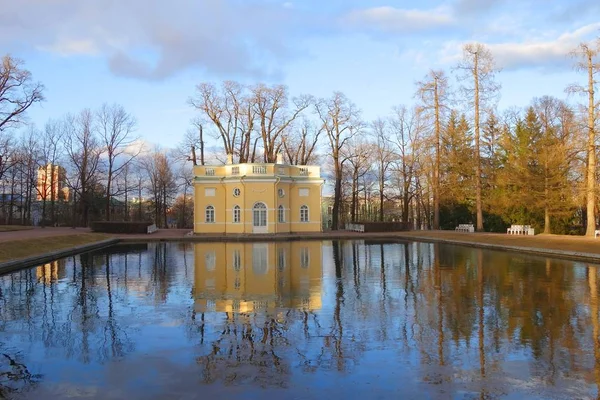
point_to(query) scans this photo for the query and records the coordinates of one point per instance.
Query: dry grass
(17, 249)
(10, 228)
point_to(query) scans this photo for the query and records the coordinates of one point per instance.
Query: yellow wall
(256, 188)
(245, 277)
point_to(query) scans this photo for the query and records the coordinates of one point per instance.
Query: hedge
(120, 226)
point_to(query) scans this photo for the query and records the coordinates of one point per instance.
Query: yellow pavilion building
(250, 277)
(257, 198)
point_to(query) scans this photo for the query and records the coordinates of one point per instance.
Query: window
(237, 261)
(237, 214)
(209, 192)
(235, 170)
(210, 260)
(281, 260)
(304, 214)
(259, 213)
(259, 169)
(281, 192)
(236, 192)
(281, 214)
(260, 264)
(210, 214)
(304, 257)
(303, 192)
(209, 171)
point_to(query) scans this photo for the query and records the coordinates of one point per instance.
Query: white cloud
(390, 19)
(529, 53)
(67, 47)
(155, 40)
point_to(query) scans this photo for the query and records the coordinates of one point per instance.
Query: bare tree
(83, 151)
(30, 151)
(341, 121)
(408, 126)
(383, 157)
(232, 113)
(273, 116)
(359, 155)
(433, 92)
(478, 71)
(586, 56)
(162, 184)
(116, 127)
(49, 152)
(299, 146)
(17, 92)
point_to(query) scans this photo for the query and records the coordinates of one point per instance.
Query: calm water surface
(300, 320)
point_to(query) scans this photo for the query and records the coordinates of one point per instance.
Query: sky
(148, 55)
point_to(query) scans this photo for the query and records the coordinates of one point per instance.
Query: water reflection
(300, 319)
(252, 277)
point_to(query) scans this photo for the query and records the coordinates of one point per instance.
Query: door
(259, 218)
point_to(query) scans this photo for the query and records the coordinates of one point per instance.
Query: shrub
(120, 227)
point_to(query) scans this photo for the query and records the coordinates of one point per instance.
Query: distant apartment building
(51, 183)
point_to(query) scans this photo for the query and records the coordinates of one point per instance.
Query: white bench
(465, 228)
(520, 230)
(355, 227)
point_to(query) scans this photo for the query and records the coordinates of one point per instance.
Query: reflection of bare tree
(14, 376)
(247, 349)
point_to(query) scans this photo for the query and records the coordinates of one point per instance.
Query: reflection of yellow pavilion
(246, 277)
(50, 272)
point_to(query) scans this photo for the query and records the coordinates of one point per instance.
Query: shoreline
(577, 248)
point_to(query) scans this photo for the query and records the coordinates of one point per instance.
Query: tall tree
(383, 158)
(274, 116)
(231, 111)
(340, 119)
(83, 150)
(116, 127)
(556, 156)
(586, 55)
(408, 127)
(433, 92)
(359, 156)
(300, 142)
(478, 71)
(17, 92)
(162, 184)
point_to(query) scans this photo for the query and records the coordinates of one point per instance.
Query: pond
(300, 320)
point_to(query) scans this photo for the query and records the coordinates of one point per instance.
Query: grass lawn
(24, 248)
(9, 228)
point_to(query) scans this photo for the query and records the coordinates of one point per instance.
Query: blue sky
(148, 55)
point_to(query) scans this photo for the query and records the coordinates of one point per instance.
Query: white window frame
(281, 214)
(209, 214)
(304, 215)
(260, 214)
(237, 214)
(304, 257)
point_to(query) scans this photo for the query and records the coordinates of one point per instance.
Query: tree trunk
(337, 198)
(477, 153)
(436, 172)
(108, 187)
(591, 170)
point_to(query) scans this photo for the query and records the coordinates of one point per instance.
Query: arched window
(237, 214)
(281, 214)
(210, 214)
(304, 214)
